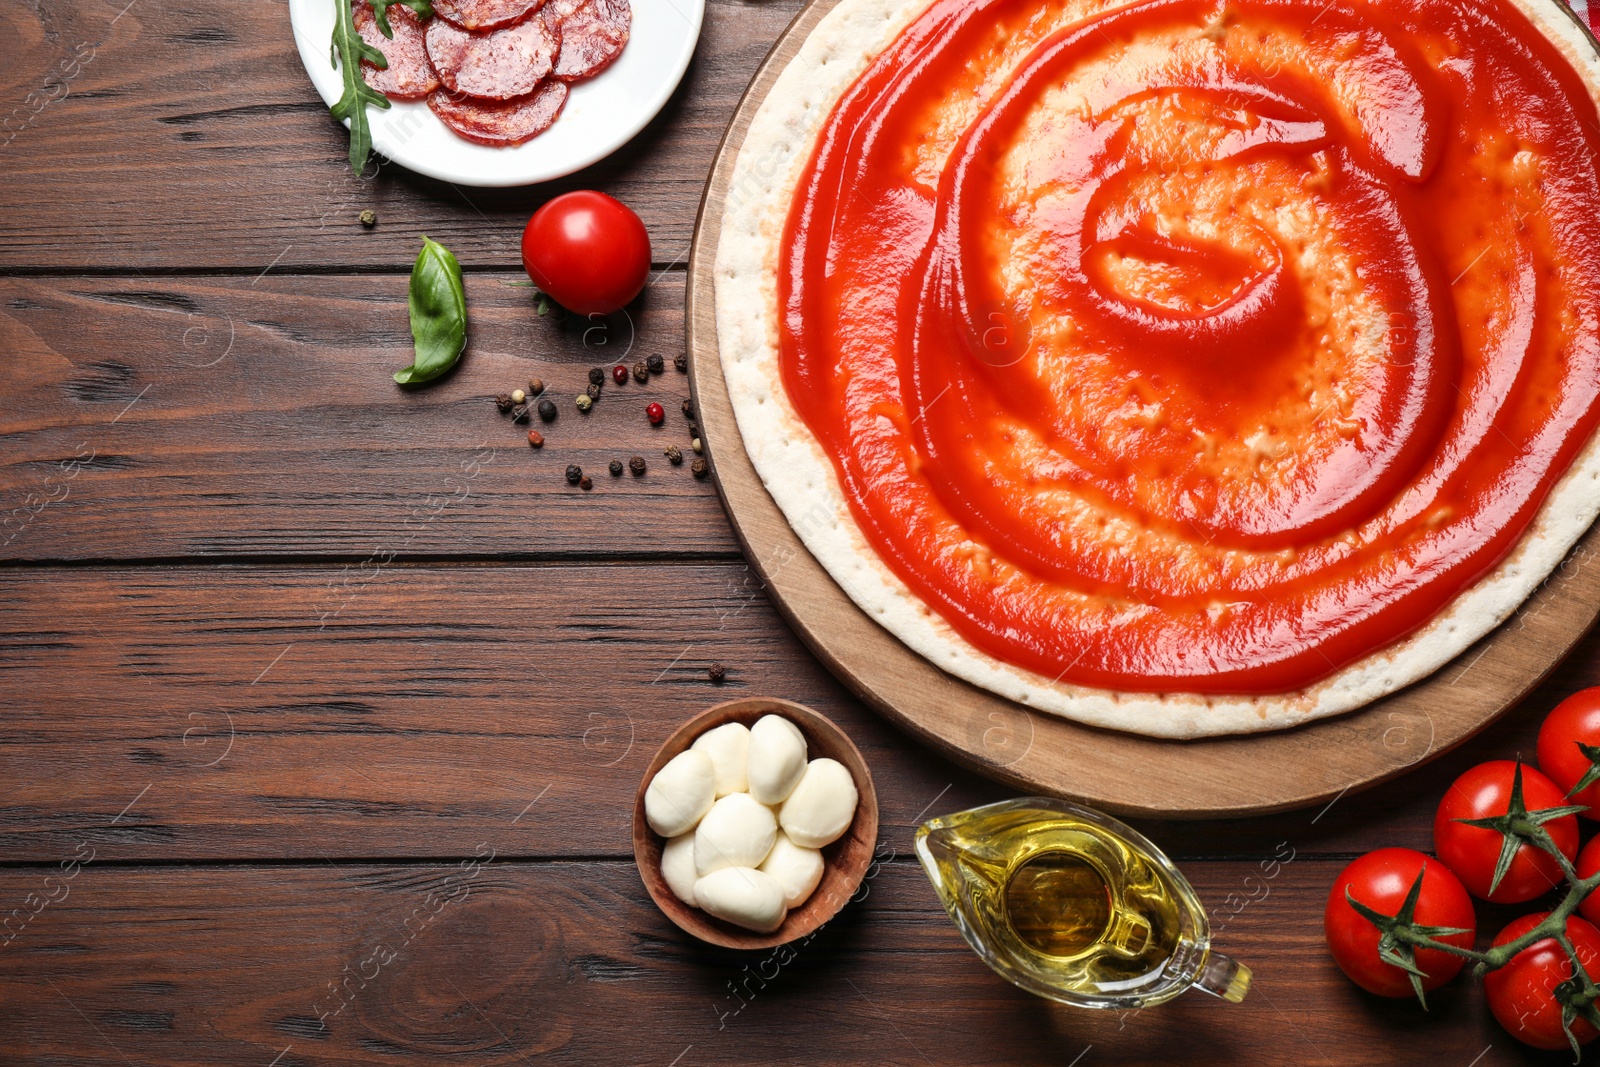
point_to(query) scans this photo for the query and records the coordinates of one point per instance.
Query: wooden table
(325, 702)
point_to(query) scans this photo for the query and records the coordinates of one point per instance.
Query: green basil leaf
(348, 50)
(438, 314)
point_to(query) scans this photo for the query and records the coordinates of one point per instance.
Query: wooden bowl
(846, 860)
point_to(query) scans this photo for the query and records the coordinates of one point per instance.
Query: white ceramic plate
(601, 113)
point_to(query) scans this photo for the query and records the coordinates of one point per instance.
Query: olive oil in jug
(1072, 905)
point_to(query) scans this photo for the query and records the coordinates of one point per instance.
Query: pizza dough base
(802, 481)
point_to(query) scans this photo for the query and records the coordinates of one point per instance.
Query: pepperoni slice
(592, 36)
(409, 75)
(504, 124)
(485, 14)
(496, 66)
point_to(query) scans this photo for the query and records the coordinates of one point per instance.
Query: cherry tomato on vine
(1521, 994)
(1472, 851)
(1381, 880)
(1575, 721)
(1588, 866)
(587, 252)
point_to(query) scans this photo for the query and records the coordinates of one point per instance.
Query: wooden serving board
(1037, 752)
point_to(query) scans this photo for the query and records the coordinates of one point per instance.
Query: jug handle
(1224, 977)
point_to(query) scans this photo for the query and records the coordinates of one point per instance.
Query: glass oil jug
(1070, 904)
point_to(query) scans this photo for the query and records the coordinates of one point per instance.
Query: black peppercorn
(585, 483)
(503, 402)
(547, 410)
(597, 375)
(688, 410)
(616, 468)
(656, 364)
(700, 468)
(574, 472)
(636, 465)
(641, 371)
(681, 361)
(593, 391)
(717, 672)
(674, 455)
(520, 413)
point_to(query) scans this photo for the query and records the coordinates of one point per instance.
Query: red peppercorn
(655, 413)
(535, 439)
(619, 374)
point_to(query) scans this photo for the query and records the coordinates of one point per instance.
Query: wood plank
(159, 417)
(189, 136)
(569, 963)
(303, 712)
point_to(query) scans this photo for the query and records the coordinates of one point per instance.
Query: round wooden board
(1037, 752)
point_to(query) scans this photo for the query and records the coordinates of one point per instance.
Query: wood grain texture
(1202, 778)
(191, 137)
(164, 417)
(570, 963)
(408, 710)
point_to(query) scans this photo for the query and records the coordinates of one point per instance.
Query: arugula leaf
(380, 8)
(438, 314)
(347, 53)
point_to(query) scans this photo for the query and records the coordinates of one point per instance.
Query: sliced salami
(593, 34)
(499, 65)
(501, 125)
(409, 75)
(485, 14)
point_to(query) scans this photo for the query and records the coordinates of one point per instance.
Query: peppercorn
(535, 439)
(535, 386)
(694, 429)
(518, 396)
(656, 364)
(696, 445)
(369, 218)
(641, 371)
(688, 410)
(674, 455)
(616, 468)
(584, 401)
(593, 391)
(503, 402)
(681, 361)
(717, 672)
(699, 468)
(636, 465)
(547, 410)
(655, 413)
(585, 483)
(519, 413)
(597, 376)
(574, 472)
(619, 374)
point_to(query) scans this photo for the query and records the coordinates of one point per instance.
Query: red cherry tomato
(1574, 720)
(1588, 865)
(588, 252)
(1381, 880)
(1472, 851)
(1520, 993)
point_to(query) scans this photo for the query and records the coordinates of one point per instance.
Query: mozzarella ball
(796, 868)
(736, 832)
(680, 793)
(743, 896)
(729, 747)
(821, 806)
(777, 758)
(677, 867)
